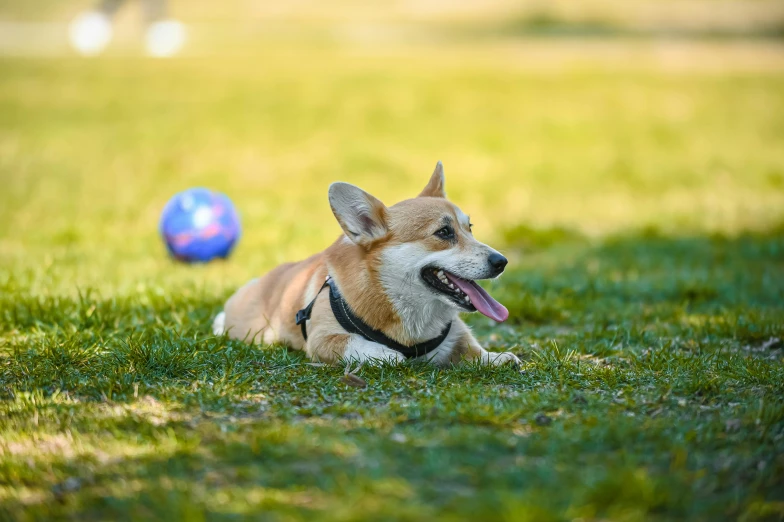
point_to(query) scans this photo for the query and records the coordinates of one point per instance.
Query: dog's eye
(445, 233)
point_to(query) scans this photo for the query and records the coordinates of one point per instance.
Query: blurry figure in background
(91, 32)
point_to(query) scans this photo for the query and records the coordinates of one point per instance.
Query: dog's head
(423, 251)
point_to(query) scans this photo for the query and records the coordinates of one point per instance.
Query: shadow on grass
(563, 278)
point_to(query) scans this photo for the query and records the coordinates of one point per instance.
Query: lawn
(640, 200)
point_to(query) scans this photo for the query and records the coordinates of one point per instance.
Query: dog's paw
(498, 359)
(219, 324)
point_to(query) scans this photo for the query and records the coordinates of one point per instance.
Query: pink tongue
(480, 299)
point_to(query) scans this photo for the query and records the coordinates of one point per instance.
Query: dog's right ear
(361, 216)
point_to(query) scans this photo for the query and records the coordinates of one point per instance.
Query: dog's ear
(361, 216)
(435, 187)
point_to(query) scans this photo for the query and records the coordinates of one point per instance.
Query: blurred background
(588, 118)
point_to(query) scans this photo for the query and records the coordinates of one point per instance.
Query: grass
(641, 207)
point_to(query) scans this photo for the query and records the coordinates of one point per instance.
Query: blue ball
(199, 225)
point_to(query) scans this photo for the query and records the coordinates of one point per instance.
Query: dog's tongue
(481, 300)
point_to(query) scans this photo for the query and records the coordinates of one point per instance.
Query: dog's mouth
(465, 293)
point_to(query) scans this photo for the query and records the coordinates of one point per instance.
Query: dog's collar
(353, 324)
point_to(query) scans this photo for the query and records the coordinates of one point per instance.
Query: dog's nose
(497, 262)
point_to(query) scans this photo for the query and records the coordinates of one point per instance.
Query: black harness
(353, 324)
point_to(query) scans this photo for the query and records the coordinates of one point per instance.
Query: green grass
(641, 209)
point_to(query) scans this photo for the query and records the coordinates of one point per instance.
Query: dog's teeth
(467, 300)
(440, 273)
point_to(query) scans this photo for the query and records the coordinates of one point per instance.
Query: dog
(389, 289)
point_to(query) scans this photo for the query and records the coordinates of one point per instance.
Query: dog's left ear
(435, 187)
(361, 216)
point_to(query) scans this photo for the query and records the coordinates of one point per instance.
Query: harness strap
(304, 315)
(353, 324)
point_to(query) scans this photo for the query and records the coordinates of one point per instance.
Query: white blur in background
(165, 38)
(91, 32)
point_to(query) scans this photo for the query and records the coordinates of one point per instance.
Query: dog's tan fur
(263, 310)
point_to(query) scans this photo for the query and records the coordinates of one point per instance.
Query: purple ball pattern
(199, 225)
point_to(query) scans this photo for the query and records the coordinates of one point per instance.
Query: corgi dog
(389, 289)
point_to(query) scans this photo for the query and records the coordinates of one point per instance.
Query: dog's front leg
(331, 348)
(359, 349)
(469, 349)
